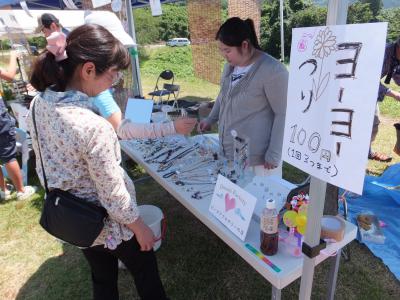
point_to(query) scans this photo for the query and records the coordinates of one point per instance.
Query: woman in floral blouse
(81, 153)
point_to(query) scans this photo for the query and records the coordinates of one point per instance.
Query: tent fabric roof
(17, 19)
(59, 4)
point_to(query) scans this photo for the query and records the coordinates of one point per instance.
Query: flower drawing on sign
(324, 45)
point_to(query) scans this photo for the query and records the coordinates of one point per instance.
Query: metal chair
(165, 87)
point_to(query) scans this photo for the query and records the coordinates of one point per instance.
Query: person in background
(48, 23)
(390, 70)
(8, 144)
(81, 154)
(108, 108)
(252, 99)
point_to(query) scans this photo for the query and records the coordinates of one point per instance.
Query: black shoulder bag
(67, 217)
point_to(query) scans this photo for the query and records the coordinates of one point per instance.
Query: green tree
(38, 41)
(270, 40)
(5, 44)
(392, 16)
(174, 22)
(311, 16)
(375, 6)
(359, 13)
(146, 26)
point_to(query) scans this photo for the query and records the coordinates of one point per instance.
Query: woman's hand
(184, 125)
(269, 166)
(144, 235)
(14, 54)
(203, 126)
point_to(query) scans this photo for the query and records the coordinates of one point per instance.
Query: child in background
(8, 146)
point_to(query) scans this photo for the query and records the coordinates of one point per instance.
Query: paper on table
(232, 206)
(139, 110)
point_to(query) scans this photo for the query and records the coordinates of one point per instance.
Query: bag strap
(38, 141)
(392, 66)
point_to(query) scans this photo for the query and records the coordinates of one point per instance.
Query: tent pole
(337, 15)
(137, 84)
(282, 38)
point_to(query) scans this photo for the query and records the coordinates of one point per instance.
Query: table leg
(276, 293)
(333, 272)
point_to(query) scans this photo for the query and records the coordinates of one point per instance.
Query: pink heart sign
(229, 202)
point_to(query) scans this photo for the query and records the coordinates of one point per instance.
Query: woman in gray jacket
(252, 99)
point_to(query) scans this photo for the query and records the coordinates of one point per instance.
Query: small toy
(296, 219)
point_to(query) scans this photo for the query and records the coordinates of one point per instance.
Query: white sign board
(232, 206)
(333, 87)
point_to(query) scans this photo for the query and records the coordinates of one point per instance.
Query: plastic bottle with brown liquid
(269, 235)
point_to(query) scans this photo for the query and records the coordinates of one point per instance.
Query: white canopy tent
(19, 19)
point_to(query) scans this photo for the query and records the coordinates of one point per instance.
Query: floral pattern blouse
(81, 154)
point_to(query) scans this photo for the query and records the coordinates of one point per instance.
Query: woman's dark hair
(87, 43)
(235, 30)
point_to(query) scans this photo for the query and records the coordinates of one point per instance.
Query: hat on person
(45, 20)
(110, 22)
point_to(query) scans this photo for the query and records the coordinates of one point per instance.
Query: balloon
(296, 220)
(289, 218)
(301, 229)
(301, 220)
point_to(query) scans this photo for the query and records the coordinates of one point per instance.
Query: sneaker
(5, 195)
(28, 191)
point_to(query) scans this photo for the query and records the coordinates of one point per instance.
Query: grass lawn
(193, 262)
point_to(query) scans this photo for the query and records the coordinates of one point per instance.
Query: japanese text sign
(232, 206)
(333, 87)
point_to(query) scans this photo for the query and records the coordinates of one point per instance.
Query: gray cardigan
(255, 107)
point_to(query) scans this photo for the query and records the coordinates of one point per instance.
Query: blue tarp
(381, 196)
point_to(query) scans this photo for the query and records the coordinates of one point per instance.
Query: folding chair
(165, 87)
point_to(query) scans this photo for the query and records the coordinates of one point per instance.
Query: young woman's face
(235, 56)
(102, 82)
(231, 54)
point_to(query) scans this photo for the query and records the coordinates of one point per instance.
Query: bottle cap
(271, 204)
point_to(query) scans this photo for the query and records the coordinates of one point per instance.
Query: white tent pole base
(333, 272)
(313, 233)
